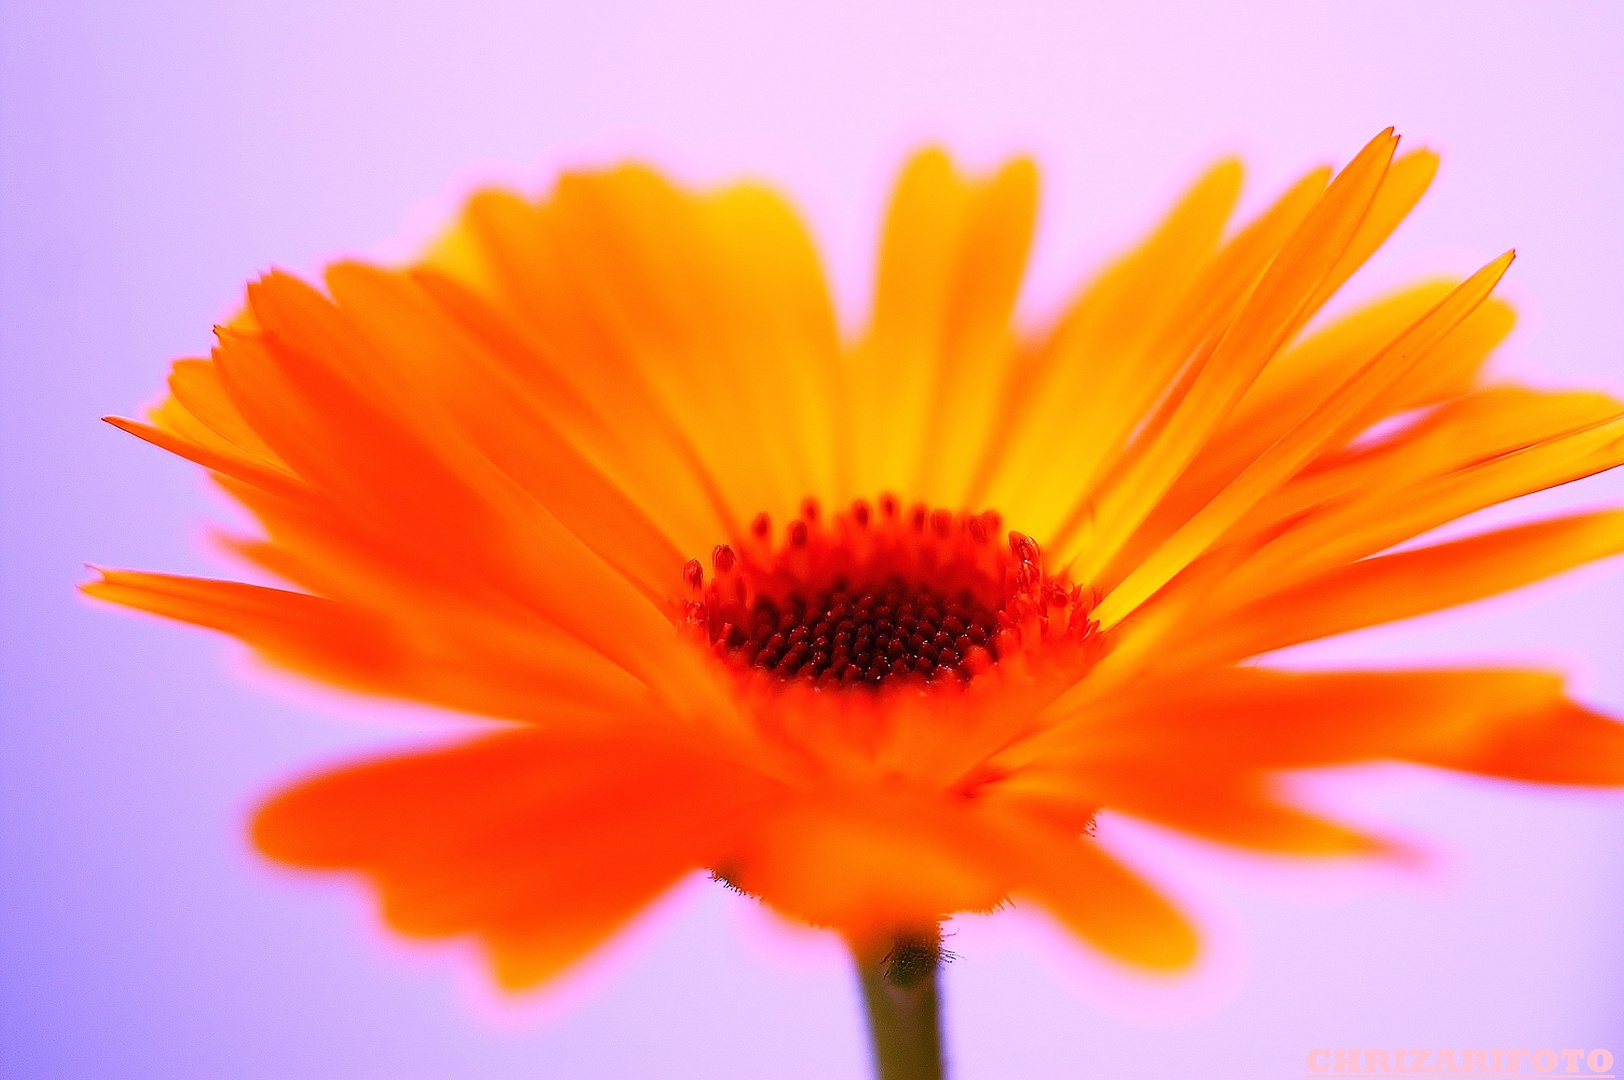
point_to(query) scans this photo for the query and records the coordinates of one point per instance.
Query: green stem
(899, 987)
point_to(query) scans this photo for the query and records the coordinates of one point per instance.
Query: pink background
(153, 156)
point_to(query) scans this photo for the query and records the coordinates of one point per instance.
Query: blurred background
(154, 156)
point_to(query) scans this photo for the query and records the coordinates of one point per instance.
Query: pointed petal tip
(97, 586)
(138, 428)
(273, 273)
(1385, 140)
(1376, 154)
(1500, 264)
(126, 424)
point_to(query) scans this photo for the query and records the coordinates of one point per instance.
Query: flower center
(880, 596)
(866, 634)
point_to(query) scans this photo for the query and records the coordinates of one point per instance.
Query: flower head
(871, 632)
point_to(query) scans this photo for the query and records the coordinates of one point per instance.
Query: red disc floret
(864, 635)
(880, 595)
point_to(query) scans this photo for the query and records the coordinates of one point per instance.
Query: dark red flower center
(866, 634)
(878, 596)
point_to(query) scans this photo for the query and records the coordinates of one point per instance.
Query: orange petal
(472, 649)
(1481, 450)
(704, 315)
(531, 673)
(1239, 809)
(866, 863)
(195, 386)
(1391, 587)
(215, 455)
(540, 845)
(294, 628)
(1303, 378)
(493, 414)
(516, 311)
(1273, 313)
(1097, 898)
(446, 503)
(1496, 722)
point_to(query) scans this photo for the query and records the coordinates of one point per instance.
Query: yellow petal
(1406, 181)
(1074, 404)
(923, 383)
(1272, 315)
(1338, 419)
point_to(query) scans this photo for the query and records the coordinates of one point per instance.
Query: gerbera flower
(873, 632)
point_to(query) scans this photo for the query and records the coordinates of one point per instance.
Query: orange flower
(874, 704)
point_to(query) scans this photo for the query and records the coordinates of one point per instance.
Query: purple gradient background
(154, 156)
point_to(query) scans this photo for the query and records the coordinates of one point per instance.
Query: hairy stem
(899, 987)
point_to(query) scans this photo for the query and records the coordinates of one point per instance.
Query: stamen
(694, 575)
(722, 558)
(869, 600)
